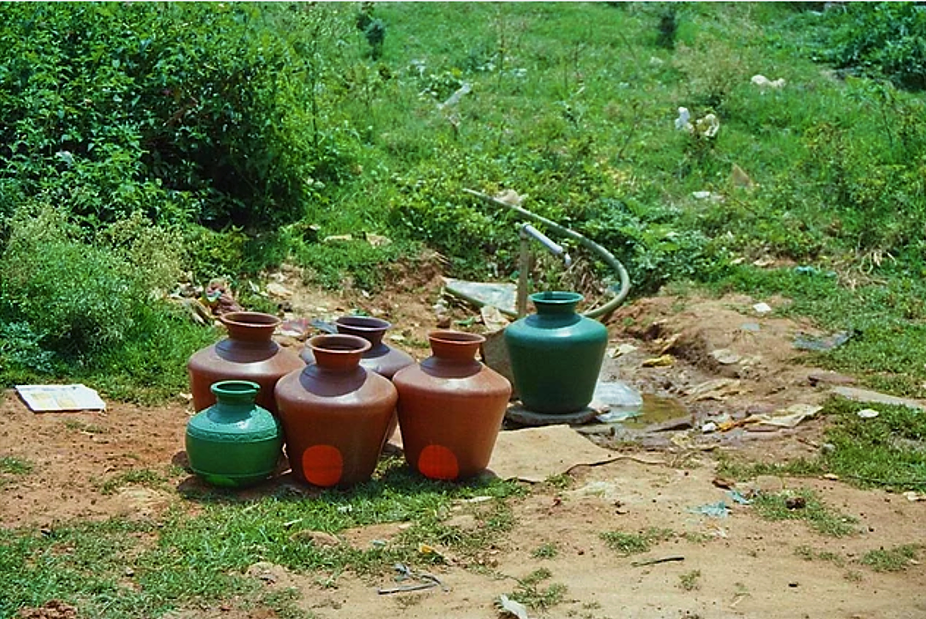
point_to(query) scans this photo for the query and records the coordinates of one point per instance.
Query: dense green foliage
(248, 133)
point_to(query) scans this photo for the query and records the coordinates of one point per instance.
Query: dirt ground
(747, 567)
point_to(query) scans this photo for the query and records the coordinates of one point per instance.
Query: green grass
(200, 556)
(888, 451)
(896, 559)
(531, 592)
(633, 543)
(809, 554)
(811, 509)
(545, 551)
(11, 465)
(690, 581)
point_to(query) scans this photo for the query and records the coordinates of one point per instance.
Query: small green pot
(556, 354)
(234, 443)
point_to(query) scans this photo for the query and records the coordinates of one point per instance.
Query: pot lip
(456, 338)
(556, 297)
(339, 344)
(367, 324)
(235, 388)
(250, 319)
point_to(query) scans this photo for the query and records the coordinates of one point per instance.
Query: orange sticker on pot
(323, 465)
(438, 462)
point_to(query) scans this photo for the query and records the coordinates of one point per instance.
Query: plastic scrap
(818, 344)
(713, 510)
(737, 497)
(868, 413)
(762, 308)
(784, 418)
(428, 581)
(763, 82)
(43, 398)
(615, 395)
(661, 361)
(507, 606)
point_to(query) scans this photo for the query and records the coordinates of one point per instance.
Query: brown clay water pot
(450, 408)
(249, 353)
(382, 359)
(335, 413)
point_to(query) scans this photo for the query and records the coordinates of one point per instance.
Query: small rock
(827, 448)
(377, 240)
(868, 413)
(620, 350)
(762, 308)
(443, 322)
(795, 502)
(279, 291)
(829, 378)
(709, 427)
(318, 538)
(725, 356)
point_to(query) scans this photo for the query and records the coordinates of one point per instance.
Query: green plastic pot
(234, 443)
(556, 354)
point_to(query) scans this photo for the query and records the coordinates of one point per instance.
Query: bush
(883, 38)
(178, 111)
(94, 310)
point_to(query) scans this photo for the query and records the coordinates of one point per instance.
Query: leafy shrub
(882, 38)
(177, 111)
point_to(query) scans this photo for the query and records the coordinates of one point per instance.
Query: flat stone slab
(536, 454)
(873, 397)
(524, 417)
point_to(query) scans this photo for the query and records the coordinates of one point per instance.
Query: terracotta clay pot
(382, 359)
(450, 408)
(234, 443)
(249, 353)
(335, 413)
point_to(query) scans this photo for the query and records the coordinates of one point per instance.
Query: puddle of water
(655, 409)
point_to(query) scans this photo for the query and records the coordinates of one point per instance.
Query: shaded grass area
(122, 568)
(887, 452)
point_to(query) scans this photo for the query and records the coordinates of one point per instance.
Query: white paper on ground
(45, 398)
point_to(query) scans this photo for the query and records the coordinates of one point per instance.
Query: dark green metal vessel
(234, 443)
(556, 354)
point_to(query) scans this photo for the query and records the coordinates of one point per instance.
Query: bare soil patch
(746, 566)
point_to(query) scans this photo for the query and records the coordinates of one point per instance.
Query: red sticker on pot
(322, 465)
(438, 462)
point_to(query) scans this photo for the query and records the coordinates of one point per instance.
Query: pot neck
(556, 303)
(234, 398)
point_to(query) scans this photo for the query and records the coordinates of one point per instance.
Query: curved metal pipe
(592, 246)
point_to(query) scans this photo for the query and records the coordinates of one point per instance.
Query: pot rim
(339, 344)
(250, 319)
(366, 324)
(458, 338)
(235, 389)
(556, 297)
